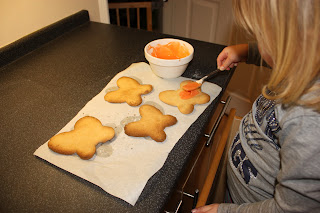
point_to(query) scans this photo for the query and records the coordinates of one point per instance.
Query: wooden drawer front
(185, 195)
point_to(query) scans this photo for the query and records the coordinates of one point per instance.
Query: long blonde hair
(289, 32)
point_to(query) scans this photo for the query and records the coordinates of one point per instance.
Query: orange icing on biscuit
(188, 94)
(184, 100)
(191, 86)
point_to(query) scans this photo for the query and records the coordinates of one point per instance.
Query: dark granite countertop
(43, 85)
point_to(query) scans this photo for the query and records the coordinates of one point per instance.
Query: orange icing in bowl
(172, 50)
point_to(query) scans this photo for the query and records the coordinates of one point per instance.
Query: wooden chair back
(137, 6)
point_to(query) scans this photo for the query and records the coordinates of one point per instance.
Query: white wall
(22, 17)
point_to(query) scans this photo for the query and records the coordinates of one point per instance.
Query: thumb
(201, 209)
(213, 208)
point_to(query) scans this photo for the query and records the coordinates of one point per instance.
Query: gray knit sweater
(274, 160)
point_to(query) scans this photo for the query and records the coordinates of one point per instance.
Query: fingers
(228, 64)
(224, 66)
(227, 59)
(231, 56)
(231, 66)
(222, 57)
(213, 208)
(201, 209)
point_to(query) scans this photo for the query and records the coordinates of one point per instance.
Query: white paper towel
(123, 165)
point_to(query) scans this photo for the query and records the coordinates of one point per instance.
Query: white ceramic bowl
(168, 68)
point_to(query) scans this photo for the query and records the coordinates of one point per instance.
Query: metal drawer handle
(195, 200)
(210, 136)
(195, 197)
(177, 209)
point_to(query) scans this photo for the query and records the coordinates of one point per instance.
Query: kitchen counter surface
(45, 84)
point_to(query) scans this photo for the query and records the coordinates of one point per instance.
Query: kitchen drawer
(185, 194)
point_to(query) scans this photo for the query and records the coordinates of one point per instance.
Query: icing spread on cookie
(191, 86)
(188, 94)
(176, 98)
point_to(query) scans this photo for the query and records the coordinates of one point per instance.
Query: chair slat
(138, 18)
(118, 17)
(128, 17)
(149, 19)
(138, 5)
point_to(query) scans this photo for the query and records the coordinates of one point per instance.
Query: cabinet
(191, 183)
(182, 18)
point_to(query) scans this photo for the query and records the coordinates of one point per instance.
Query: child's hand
(232, 55)
(213, 208)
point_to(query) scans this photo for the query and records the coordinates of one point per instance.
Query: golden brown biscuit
(129, 91)
(88, 132)
(184, 101)
(152, 123)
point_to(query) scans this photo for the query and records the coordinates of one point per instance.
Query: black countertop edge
(27, 44)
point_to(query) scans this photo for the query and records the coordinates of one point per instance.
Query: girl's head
(288, 35)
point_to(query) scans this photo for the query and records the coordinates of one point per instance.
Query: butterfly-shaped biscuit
(184, 100)
(88, 132)
(152, 123)
(129, 91)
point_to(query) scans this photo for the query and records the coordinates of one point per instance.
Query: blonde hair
(289, 32)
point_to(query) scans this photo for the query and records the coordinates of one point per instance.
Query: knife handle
(212, 73)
